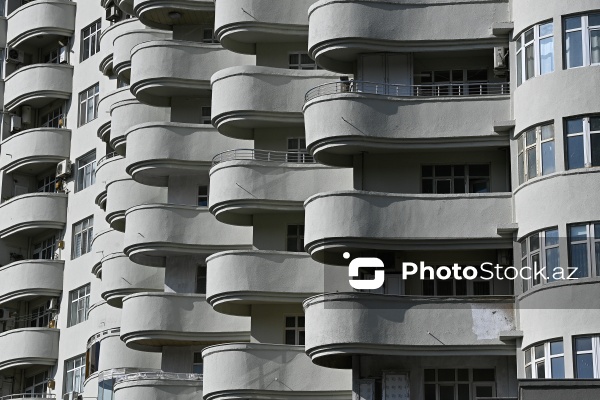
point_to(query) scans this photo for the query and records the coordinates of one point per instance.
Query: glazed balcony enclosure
(159, 150)
(248, 97)
(347, 118)
(26, 279)
(152, 320)
(35, 150)
(245, 182)
(269, 371)
(343, 221)
(33, 212)
(159, 14)
(28, 346)
(405, 325)
(237, 280)
(175, 68)
(158, 385)
(37, 85)
(38, 22)
(156, 231)
(241, 24)
(395, 25)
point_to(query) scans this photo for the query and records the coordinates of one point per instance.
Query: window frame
(45, 245)
(205, 115)
(91, 95)
(76, 371)
(298, 235)
(86, 232)
(470, 382)
(203, 196)
(84, 164)
(592, 239)
(587, 140)
(31, 389)
(537, 145)
(546, 359)
(92, 39)
(542, 252)
(196, 363)
(80, 297)
(53, 118)
(595, 352)
(296, 151)
(299, 65)
(297, 328)
(47, 184)
(466, 176)
(521, 51)
(586, 42)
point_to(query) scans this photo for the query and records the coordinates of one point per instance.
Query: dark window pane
(446, 375)
(443, 170)
(290, 337)
(477, 75)
(459, 170)
(529, 36)
(443, 187)
(575, 158)
(585, 366)
(481, 288)
(301, 338)
(574, 49)
(427, 186)
(484, 391)
(534, 242)
(595, 147)
(461, 290)
(583, 344)
(484, 375)
(531, 163)
(558, 367)
(539, 351)
(426, 171)
(551, 237)
(429, 375)
(301, 322)
(463, 392)
(428, 288)
(556, 348)
(479, 170)
(290, 322)
(441, 76)
(594, 19)
(548, 162)
(430, 392)
(578, 259)
(445, 288)
(541, 370)
(459, 186)
(446, 392)
(575, 125)
(463, 375)
(595, 124)
(572, 23)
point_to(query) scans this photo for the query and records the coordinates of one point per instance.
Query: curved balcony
(406, 325)
(152, 320)
(336, 45)
(160, 150)
(176, 68)
(129, 112)
(38, 85)
(35, 150)
(343, 119)
(28, 346)
(239, 279)
(248, 97)
(121, 277)
(107, 100)
(108, 168)
(155, 231)
(159, 385)
(526, 13)
(574, 305)
(30, 278)
(268, 371)
(41, 21)
(351, 220)
(159, 13)
(247, 182)
(571, 192)
(126, 41)
(33, 212)
(574, 84)
(126, 6)
(3, 28)
(241, 24)
(107, 38)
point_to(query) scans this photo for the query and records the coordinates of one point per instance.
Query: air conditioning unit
(15, 56)
(5, 314)
(63, 169)
(500, 58)
(63, 55)
(15, 124)
(113, 13)
(53, 304)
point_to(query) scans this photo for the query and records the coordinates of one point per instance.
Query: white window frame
(296, 329)
(299, 65)
(472, 384)
(88, 101)
(587, 139)
(590, 242)
(202, 196)
(296, 151)
(47, 184)
(521, 46)
(52, 119)
(85, 230)
(466, 177)
(85, 175)
(208, 36)
(46, 246)
(523, 149)
(91, 35)
(546, 359)
(595, 354)
(43, 383)
(541, 251)
(586, 36)
(79, 304)
(75, 374)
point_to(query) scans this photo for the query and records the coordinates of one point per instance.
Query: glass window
(79, 304)
(297, 151)
(546, 360)
(584, 250)
(37, 384)
(535, 52)
(53, 119)
(203, 196)
(201, 279)
(540, 252)
(582, 40)
(86, 171)
(74, 374)
(208, 36)
(47, 184)
(205, 114)
(536, 153)
(198, 366)
(45, 249)
(294, 330)
(90, 40)
(583, 142)
(443, 179)
(88, 104)
(587, 356)
(82, 237)
(92, 358)
(301, 60)
(459, 384)
(295, 238)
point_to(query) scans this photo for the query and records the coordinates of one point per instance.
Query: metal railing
(427, 90)
(25, 321)
(29, 396)
(107, 157)
(302, 157)
(159, 375)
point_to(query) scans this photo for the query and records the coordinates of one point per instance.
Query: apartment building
(183, 185)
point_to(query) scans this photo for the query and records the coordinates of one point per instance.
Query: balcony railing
(35, 320)
(28, 396)
(301, 157)
(106, 157)
(428, 90)
(160, 375)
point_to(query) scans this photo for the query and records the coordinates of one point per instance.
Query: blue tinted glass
(585, 366)
(546, 55)
(595, 148)
(574, 49)
(594, 20)
(575, 125)
(572, 23)
(583, 344)
(546, 29)
(578, 259)
(575, 157)
(552, 264)
(548, 162)
(558, 368)
(556, 348)
(551, 237)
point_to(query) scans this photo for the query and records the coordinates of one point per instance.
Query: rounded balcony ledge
(38, 22)
(107, 38)
(106, 242)
(128, 113)
(153, 320)
(571, 192)
(249, 97)
(29, 279)
(34, 150)
(33, 212)
(158, 13)
(406, 325)
(343, 221)
(3, 29)
(124, 42)
(121, 278)
(575, 306)
(336, 46)
(109, 168)
(241, 24)
(344, 119)
(239, 279)
(155, 231)
(122, 194)
(159, 386)
(28, 347)
(575, 84)
(176, 68)
(38, 85)
(126, 6)
(269, 371)
(247, 184)
(107, 100)
(160, 150)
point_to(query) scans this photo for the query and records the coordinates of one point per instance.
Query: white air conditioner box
(15, 56)
(63, 169)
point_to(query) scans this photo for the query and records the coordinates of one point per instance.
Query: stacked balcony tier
(38, 85)
(33, 212)
(27, 347)
(163, 14)
(107, 39)
(30, 278)
(125, 41)
(159, 385)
